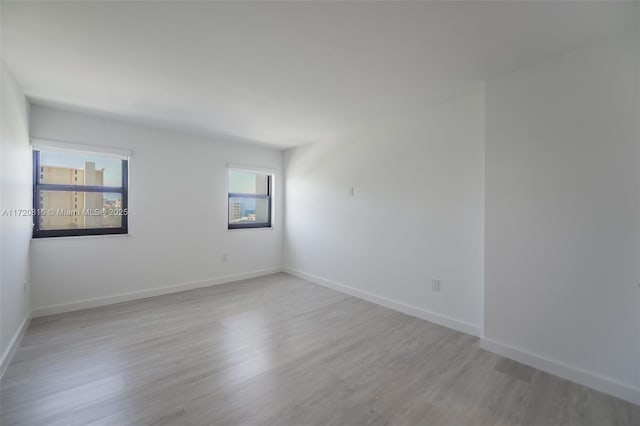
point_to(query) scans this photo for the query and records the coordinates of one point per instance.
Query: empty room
(301, 213)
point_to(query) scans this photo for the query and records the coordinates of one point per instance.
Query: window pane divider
(78, 188)
(243, 195)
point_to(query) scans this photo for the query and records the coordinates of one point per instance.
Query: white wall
(556, 258)
(562, 216)
(417, 212)
(15, 231)
(178, 213)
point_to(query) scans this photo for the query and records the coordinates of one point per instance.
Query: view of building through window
(77, 209)
(248, 210)
(249, 199)
(76, 191)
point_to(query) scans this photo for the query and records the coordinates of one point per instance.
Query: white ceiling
(282, 73)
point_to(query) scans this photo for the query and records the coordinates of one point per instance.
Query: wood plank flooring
(277, 350)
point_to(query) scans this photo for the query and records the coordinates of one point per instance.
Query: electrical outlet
(435, 285)
(26, 286)
(224, 257)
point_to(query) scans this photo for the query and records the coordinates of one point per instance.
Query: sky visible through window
(243, 182)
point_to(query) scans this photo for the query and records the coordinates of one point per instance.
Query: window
(250, 198)
(79, 193)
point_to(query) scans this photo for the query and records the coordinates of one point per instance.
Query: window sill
(75, 237)
(264, 228)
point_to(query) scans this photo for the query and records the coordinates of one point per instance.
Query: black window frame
(38, 187)
(268, 196)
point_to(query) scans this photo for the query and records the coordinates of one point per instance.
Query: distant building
(71, 203)
(235, 212)
(238, 213)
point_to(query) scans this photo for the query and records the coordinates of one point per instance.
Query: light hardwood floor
(277, 350)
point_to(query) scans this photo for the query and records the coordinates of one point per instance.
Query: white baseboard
(599, 383)
(414, 311)
(15, 342)
(603, 384)
(142, 294)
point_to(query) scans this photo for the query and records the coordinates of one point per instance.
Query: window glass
(249, 199)
(248, 183)
(68, 168)
(248, 210)
(79, 194)
(72, 210)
